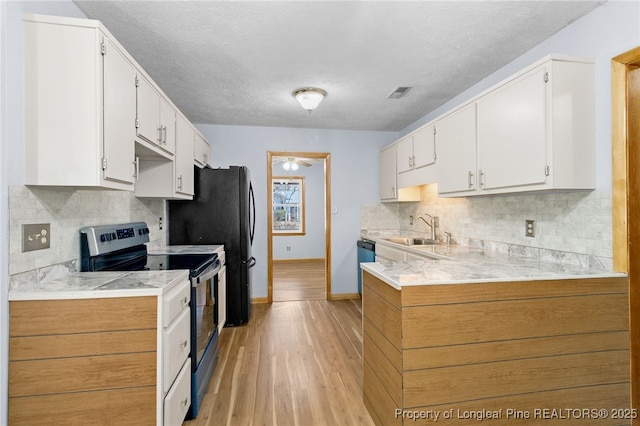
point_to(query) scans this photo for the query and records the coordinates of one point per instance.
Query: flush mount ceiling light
(290, 165)
(309, 97)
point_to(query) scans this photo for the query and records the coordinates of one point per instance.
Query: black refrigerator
(222, 212)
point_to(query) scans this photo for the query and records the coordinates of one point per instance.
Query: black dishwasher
(366, 253)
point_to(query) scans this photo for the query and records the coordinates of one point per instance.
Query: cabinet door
(119, 115)
(148, 111)
(167, 126)
(202, 151)
(512, 133)
(424, 147)
(456, 141)
(404, 155)
(222, 298)
(184, 156)
(388, 173)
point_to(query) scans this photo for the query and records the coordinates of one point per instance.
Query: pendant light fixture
(309, 97)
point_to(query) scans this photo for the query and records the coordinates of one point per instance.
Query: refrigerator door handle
(253, 219)
(251, 262)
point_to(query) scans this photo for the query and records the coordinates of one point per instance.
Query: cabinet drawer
(177, 339)
(391, 253)
(178, 400)
(176, 300)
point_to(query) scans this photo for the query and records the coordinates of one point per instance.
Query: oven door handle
(209, 273)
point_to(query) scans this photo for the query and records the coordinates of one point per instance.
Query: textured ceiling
(238, 62)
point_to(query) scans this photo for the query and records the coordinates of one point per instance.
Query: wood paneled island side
(552, 351)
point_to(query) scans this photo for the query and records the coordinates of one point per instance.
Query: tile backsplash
(67, 211)
(578, 222)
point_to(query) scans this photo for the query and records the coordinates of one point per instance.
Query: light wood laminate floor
(299, 280)
(294, 363)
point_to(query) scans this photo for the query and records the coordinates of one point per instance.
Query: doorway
(298, 275)
(625, 108)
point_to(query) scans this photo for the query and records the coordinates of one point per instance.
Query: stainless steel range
(123, 248)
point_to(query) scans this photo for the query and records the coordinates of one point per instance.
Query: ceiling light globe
(286, 165)
(309, 97)
(294, 166)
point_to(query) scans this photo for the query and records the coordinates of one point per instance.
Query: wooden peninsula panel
(382, 350)
(75, 361)
(529, 345)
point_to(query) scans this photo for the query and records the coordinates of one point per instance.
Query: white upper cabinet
(185, 136)
(387, 166)
(95, 119)
(416, 157)
(456, 139)
(202, 151)
(534, 132)
(416, 150)
(389, 190)
(155, 117)
(79, 105)
(118, 109)
(512, 133)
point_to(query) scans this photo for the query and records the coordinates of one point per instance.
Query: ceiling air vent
(398, 92)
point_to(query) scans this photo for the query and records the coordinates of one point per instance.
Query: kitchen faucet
(430, 224)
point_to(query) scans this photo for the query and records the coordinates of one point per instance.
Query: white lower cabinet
(178, 399)
(175, 365)
(391, 254)
(222, 298)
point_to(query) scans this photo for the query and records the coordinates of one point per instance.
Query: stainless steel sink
(408, 241)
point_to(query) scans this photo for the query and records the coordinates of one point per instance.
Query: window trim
(287, 232)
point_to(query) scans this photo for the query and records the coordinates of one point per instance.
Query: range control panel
(108, 238)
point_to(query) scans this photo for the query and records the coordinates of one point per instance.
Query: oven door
(204, 312)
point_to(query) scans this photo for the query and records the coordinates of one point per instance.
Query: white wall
(354, 181)
(311, 244)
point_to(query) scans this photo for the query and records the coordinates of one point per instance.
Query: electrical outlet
(36, 236)
(288, 248)
(530, 230)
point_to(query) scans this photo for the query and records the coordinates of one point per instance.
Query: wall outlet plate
(529, 230)
(36, 236)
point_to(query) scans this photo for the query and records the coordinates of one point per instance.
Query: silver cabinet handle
(470, 179)
(185, 402)
(185, 301)
(159, 138)
(184, 344)
(136, 168)
(180, 182)
(482, 179)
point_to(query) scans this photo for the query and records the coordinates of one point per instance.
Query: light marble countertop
(88, 285)
(456, 264)
(69, 284)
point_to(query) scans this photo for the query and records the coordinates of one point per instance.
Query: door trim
(327, 215)
(625, 139)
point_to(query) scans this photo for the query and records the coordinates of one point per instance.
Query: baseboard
(259, 300)
(345, 296)
(298, 260)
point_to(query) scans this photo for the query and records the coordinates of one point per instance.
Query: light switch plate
(36, 236)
